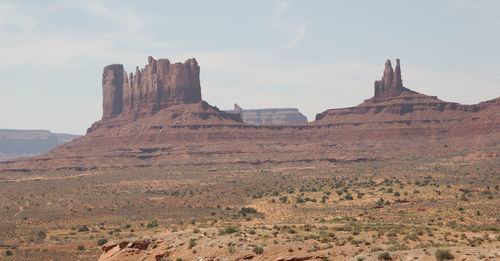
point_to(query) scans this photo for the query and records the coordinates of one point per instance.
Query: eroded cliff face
(391, 84)
(157, 86)
(112, 90)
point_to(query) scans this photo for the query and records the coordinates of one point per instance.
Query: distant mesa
(25, 143)
(269, 116)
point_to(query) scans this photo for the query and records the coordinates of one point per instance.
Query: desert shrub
(192, 243)
(83, 229)
(384, 256)
(258, 250)
(41, 235)
(442, 254)
(228, 230)
(8, 253)
(343, 228)
(153, 224)
(376, 249)
(300, 200)
(80, 247)
(102, 241)
(248, 210)
(231, 248)
(397, 248)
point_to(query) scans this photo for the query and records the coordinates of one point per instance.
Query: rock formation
(157, 86)
(270, 116)
(391, 84)
(157, 114)
(396, 109)
(112, 90)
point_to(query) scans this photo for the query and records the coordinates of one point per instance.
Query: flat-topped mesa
(391, 84)
(158, 85)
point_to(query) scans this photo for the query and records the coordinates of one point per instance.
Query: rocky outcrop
(112, 90)
(270, 116)
(393, 103)
(158, 85)
(391, 84)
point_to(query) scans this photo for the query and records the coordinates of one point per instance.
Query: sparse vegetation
(442, 254)
(384, 256)
(312, 210)
(102, 241)
(258, 250)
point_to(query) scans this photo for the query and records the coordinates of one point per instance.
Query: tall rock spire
(391, 84)
(112, 90)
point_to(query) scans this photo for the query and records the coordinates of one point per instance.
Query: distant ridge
(19, 143)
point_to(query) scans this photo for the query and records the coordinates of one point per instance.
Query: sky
(312, 55)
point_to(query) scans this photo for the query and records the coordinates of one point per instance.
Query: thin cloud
(280, 23)
(54, 53)
(300, 35)
(21, 45)
(280, 8)
(14, 20)
(127, 17)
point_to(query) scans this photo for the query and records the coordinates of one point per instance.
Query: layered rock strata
(270, 116)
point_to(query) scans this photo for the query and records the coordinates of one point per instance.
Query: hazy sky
(313, 55)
